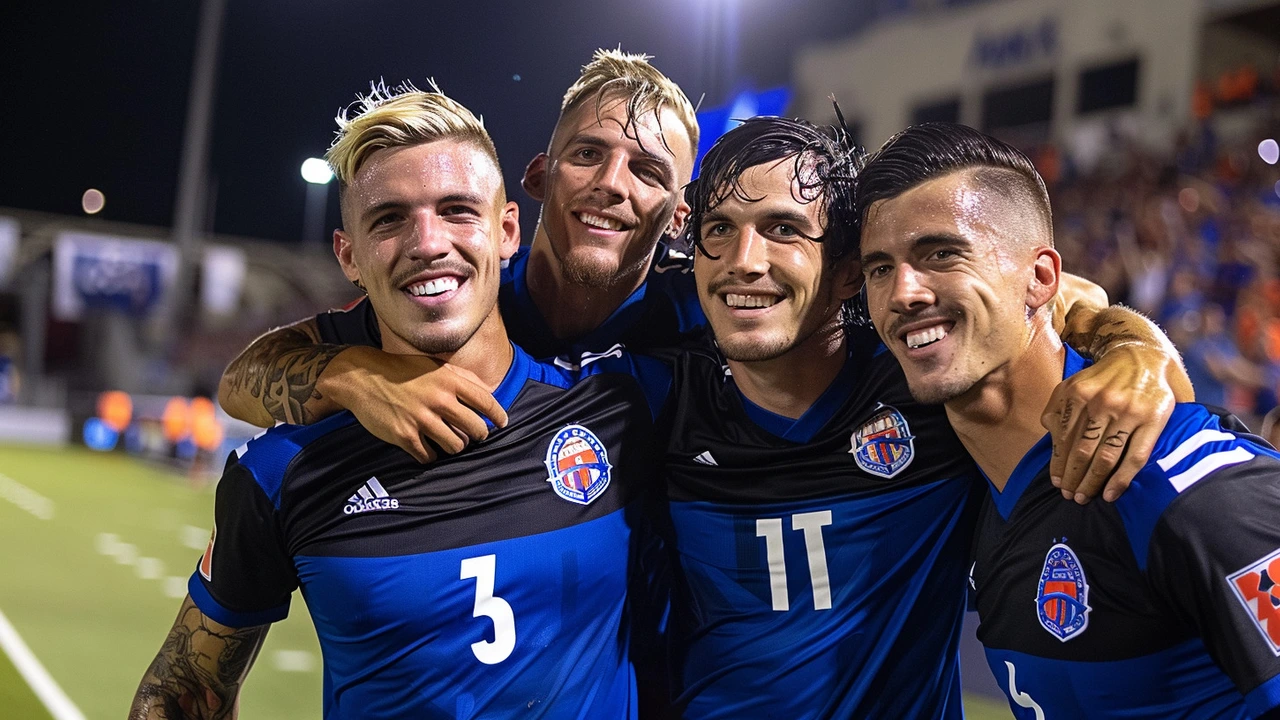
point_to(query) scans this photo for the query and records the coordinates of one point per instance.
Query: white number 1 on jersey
(811, 524)
(495, 608)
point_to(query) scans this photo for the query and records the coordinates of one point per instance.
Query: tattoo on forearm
(281, 371)
(1094, 342)
(198, 672)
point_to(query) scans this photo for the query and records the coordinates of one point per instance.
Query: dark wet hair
(826, 160)
(930, 150)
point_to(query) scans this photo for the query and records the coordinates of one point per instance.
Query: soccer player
(597, 275)
(820, 517)
(492, 583)
(1161, 605)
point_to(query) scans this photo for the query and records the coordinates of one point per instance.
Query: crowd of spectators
(1193, 241)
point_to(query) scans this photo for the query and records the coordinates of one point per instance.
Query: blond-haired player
(492, 583)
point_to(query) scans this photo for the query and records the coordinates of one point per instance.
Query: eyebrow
(919, 245)
(466, 198)
(788, 216)
(583, 138)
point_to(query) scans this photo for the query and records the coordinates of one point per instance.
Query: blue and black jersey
(820, 562)
(663, 312)
(1161, 605)
(492, 583)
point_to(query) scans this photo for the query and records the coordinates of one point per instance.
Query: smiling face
(426, 230)
(610, 187)
(953, 273)
(765, 292)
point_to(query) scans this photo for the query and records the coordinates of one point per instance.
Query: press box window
(1108, 86)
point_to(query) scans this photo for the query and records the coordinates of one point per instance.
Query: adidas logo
(705, 458)
(371, 496)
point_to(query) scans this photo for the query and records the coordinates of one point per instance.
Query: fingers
(1106, 460)
(1084, 438)
(1141, 444)
(475, 396)
(1058, 418)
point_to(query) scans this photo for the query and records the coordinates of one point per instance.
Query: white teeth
(600, 222)
(434, 287)
(920, 338)
(734, 300)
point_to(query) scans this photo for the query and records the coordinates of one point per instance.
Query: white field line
(25, 498)
(57, 702)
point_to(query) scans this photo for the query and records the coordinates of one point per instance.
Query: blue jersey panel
(527, 627)
(836, 607)
(1179, 683)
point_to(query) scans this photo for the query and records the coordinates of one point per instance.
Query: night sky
(96, 96)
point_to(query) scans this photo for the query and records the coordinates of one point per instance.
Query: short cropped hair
(401, 116)
(930, 150)
(826, 161)
(630, 74)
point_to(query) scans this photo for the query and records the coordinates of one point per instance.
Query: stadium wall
(957, 58)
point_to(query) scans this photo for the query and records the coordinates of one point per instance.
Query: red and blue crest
(578, 465)
(1062, 598)
(884, 444)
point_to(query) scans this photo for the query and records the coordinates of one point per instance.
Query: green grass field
(93, 566)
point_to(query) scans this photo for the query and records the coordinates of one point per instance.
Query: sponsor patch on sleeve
(1256, 589)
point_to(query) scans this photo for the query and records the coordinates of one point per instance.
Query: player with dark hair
(597, 274)
(493, 583)
(1160, 605)
(820, 517)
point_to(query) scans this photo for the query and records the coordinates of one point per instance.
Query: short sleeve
(355, 325)
(246, 575)
(1215, 555)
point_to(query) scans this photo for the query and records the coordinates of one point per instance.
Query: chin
(754, 350)
(937, 392)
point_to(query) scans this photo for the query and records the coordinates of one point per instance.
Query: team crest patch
(578, 465)
(884, 445)
(1256, 588)
(1062, 599)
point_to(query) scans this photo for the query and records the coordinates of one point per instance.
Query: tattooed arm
(276, 378)
(1105, 420)
(198, 672)
(289, 375)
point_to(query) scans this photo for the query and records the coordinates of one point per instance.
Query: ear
(535, 177)
(342, 250)
(1042, 287)
(847, 278)
(681, 213)
(509, 230)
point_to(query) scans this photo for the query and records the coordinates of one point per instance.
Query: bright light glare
(315, 170)
(93, 201)
(1269, 151)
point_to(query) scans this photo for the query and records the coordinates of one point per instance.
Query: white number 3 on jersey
(1022, 699)
(495, 608)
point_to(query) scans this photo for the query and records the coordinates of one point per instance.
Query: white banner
(101, 271)
(10, 238)
(222, 279)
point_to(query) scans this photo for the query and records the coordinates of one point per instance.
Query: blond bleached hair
(400, 116)
(614, 72)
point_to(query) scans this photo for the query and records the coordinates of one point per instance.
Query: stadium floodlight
(316, 171)
(1269, 151)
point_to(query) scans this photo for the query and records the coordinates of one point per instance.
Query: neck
(791, 383)
(998, 420)
(569, 309)
(488, 353)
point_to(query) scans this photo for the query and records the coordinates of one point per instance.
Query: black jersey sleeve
(1215, 556)
(355, 325)
(246, 575)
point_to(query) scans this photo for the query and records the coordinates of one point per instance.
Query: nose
(611, 175)
(749, 256)
(429, 237)
(909, 292)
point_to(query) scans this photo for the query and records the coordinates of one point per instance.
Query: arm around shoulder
(278, 377)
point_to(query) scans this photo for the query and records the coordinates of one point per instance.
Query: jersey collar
(513, 381)
(608, 333)
(802, 429)
(1033, 464)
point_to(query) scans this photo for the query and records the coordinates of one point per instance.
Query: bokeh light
(93, 201)
(1269, 151)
